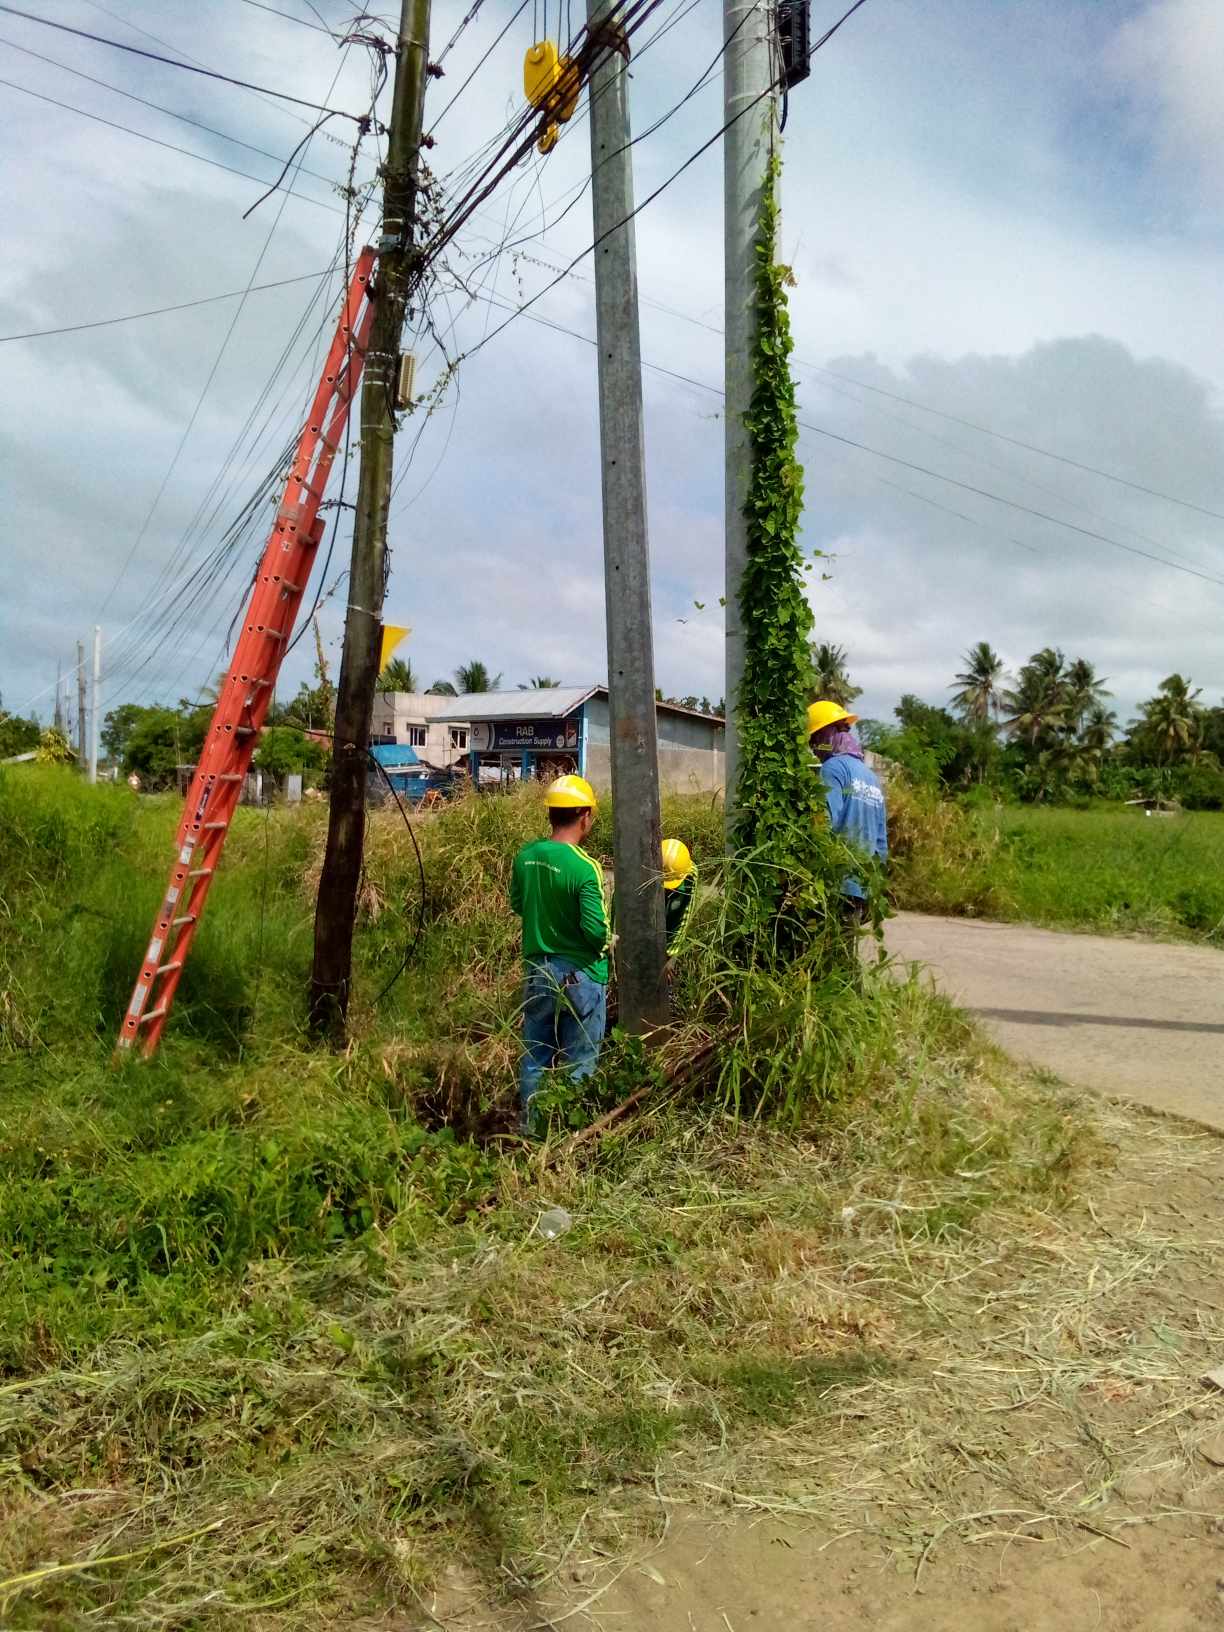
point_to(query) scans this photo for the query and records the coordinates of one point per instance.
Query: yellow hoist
(551, 83)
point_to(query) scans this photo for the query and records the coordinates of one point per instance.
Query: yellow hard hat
(827, 713)
(677, 863)
(571, 793)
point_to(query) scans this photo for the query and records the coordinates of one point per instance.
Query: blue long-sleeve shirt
(856, 810)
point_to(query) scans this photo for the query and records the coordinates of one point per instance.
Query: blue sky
(1008, 211)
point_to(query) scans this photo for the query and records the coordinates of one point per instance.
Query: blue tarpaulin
(394, 755)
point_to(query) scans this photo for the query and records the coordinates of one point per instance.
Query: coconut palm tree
(540, 682)
(398, 676)
(1098, 729)
(1170, 725)
(442, 688)
(1085, 693)
(1036, 706)
(474, 676)
(832, 676)
(978, 689)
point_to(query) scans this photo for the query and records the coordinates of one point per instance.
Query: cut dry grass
(916, 1322)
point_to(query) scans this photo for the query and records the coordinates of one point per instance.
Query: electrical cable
(1016, 442)
(173, 62)
(144, 527)
(184, 152)
(924, 470)
(501, 36)
(289, 17)
(160, 311)
(158, 107)
(411, 948)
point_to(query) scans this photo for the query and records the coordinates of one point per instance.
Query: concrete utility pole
(748, 71)
(80, 705)
(95, 715)
(336, 911)
(57, 719)
(636, 832)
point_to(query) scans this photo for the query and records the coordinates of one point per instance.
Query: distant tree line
(1049, 733)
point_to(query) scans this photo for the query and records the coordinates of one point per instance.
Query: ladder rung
(229, 776)
(293, 590)
(244, 730)
(201, 872)
(187, 918)
(215, 827)
(153, 1014)
(165, 968)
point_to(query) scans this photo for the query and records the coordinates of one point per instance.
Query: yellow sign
(392, 634)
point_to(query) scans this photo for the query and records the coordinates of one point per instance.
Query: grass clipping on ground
(274, 1349)
(917, 1320)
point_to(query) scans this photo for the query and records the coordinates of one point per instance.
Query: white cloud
(963, 232)
(1170, 59)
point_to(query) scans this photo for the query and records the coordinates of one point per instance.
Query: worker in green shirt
(558, 892)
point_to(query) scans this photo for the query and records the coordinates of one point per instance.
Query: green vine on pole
(778, 796)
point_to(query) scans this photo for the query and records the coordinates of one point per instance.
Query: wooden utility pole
(636, 826)
(336, 912)
(80, 705)
(748, 71)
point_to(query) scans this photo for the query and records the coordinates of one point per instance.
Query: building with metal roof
(515, 735)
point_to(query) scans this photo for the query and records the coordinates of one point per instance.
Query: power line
(484, 59)
(174, 62)
(290, 18)
(1016, 442)
(171, 147)
(981, 492)
(212, 373)
(159, 311)
(157, 107)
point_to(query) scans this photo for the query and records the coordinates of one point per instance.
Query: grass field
(278, 1336)
(1107, 869)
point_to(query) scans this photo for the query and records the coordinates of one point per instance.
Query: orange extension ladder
(247, 692)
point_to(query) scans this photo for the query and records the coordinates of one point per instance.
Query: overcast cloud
(1011, 213)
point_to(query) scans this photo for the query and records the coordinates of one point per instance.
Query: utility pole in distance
(748, 72)
(636, 823)
(95, 713)
(336, 911)
(80, 705)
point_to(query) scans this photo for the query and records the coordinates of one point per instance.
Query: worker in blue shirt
(855, 798)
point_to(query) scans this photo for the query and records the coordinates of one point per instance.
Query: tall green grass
(1105, 868)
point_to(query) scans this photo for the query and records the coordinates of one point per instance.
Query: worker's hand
(613, 942)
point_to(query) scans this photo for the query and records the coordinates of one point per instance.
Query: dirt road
(1136, 1018)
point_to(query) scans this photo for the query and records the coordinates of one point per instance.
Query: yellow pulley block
(551, 83)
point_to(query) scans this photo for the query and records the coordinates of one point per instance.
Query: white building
(409, 718)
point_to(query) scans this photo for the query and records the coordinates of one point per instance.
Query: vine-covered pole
(748, 71)
(636, 822)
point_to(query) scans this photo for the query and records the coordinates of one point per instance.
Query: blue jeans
(564, 1014)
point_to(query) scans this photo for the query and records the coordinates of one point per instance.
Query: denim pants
(564, 1013)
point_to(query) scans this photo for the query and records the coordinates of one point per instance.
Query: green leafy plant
(788, 871)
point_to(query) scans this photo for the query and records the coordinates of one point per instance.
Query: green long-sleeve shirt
(557, 890)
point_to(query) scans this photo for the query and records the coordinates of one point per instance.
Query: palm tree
(441, 688)
(398, 676)
(1098, 729)
(540, 682)
(474, 676)
(832, 678)
(1036, 705)
(979, 694)
(1172, 721)
(1086, 693)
